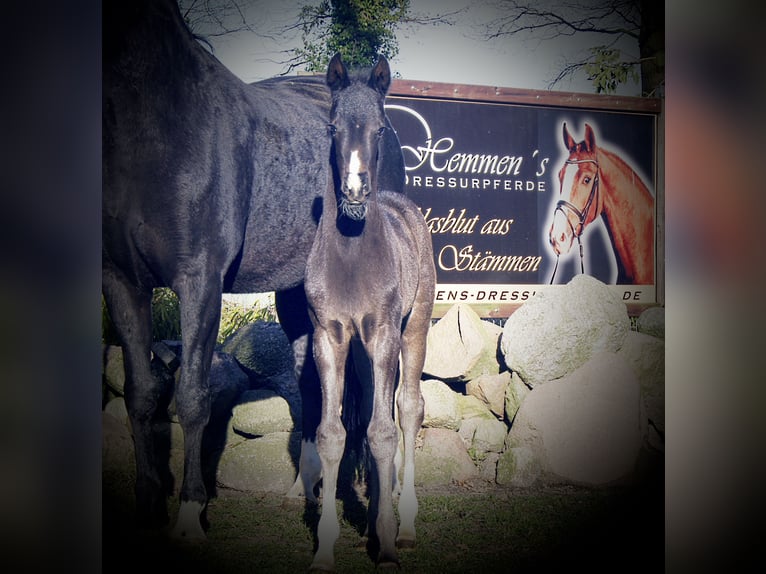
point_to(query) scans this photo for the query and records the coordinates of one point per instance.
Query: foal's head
(357, 124)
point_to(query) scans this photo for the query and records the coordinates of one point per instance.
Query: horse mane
(626, 171)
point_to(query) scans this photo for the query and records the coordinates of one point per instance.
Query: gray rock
(489, 436)
(261, 412)
(261, 348)
(114, 369)
(442, 459)
(441, 405)
(652, 322)
(586, 428)
(515, 393)
(471, 407)
(518, 466)
(461, 346)
(116, 407)
(557, 331)
(490, 389)
(266, 464)
(646, 356)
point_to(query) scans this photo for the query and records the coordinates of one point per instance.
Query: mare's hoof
(388, 565)
(405, 543)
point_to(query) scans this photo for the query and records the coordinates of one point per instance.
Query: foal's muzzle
(356, 188)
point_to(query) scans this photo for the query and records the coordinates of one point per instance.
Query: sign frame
(491, 95)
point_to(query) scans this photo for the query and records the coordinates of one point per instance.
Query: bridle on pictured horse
(564, 206)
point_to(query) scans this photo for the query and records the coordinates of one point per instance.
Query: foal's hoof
(405, 543)
(189, 526)
(388, 565)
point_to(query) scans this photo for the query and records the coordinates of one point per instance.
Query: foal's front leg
(330, 355)
(382, 437)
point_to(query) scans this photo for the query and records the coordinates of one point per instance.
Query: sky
(452, 54)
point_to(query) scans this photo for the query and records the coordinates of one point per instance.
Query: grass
(549, 529)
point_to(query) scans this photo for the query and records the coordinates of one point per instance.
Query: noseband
(564, 206)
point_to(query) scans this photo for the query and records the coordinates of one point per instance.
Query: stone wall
(564, 392)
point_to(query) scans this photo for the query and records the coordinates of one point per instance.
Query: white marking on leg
(408, 504)
(309, 472)
(328, 531)
(353, 181)
(188, 525)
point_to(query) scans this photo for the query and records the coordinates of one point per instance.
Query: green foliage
(359, 29)
(607, 71)
(166, 315)
(166, 318)
(234, 317)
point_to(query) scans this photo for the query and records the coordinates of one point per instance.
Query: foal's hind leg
(383, 349)
(130, 311)
(200, 301)
(410, 406)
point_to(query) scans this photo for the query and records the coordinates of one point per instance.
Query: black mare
(210, 185)
(369, 279)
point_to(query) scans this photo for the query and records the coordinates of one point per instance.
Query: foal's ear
(337, 75)
(380, 77)
(569, 142)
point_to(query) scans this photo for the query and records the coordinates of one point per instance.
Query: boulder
(652, 322)
(265, 464)
(116, 407)
(114, 369)
(441, 409)
(518, 466)
(461, 346)
(261, 348)
(557, 331)
(490, 389)
(586, 428)
(442, 458)
(261, 412)
(515, 393)
(646, 356)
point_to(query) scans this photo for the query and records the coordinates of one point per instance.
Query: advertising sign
(521, 197)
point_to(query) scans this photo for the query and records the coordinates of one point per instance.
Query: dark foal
(191, 158)
(369, 279)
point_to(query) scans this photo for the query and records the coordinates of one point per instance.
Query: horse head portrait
(594, 182)
(357, 125)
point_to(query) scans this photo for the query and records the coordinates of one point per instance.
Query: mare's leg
(130, 310)
(292, 309)
(383, 346)
(200, 302)
(410, 407)
(330, 353)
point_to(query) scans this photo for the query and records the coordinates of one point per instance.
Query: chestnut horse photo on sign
(595, 182)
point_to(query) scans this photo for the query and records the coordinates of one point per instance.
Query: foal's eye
(586, 180)
(331, 129)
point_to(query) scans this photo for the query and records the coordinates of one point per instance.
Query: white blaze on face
(353, 181)
(561, 232)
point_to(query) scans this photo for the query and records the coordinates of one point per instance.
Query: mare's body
(209, 185)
